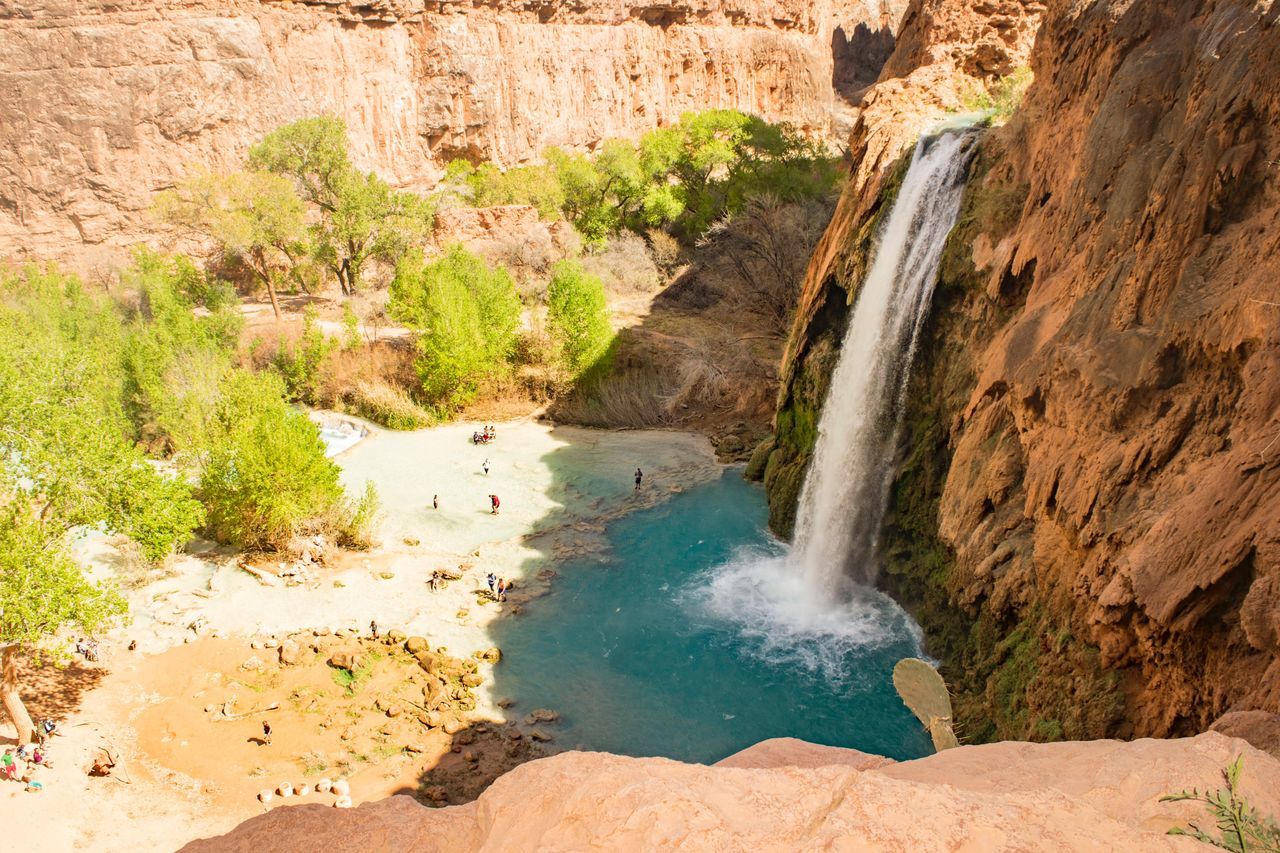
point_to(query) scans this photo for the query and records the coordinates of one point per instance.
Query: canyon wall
(102, 104)
(787, 795)
(1087, 516)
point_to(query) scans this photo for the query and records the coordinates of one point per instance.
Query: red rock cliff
(1088, 517)
(103, 103)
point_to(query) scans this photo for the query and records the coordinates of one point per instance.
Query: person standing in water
(639, 477)
(492, 579)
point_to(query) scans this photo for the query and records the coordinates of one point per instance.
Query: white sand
(558, 487)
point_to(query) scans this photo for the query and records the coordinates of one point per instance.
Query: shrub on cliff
(466, 316)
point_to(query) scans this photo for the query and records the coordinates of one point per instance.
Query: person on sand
(494, 503)
(266, 733)
(8, 766)
(485, 466)
(492, 579)
(639, 477)
(435, 501)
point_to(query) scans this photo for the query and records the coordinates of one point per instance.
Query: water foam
(777, 617)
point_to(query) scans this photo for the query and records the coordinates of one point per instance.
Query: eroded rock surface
(1102, 795)
(104, 103)
(1088, 518)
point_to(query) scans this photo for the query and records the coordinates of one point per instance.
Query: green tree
(43, 593)
(256, 217)
(67, 462)
(63, 429)
(466, 315)
(263, 473)
(578, 318)
(361, 217)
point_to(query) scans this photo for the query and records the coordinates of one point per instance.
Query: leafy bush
(578, 319)
(263, 474)
(62, 411)
(466, 316)
(1241, 828)
(299, 363)
(1003, 97)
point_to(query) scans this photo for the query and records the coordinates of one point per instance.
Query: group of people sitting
(488, 435)
(21, 763)
(87, 649)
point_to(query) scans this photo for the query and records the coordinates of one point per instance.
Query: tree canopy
(466, 315)
(360, 216)
(578, 318)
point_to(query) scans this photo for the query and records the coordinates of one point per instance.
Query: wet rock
(541, 715)
(489, 655)
(540, 736)
(452, 726)
(470, 757)
(506, 702)
(466, 738)
(436, 794)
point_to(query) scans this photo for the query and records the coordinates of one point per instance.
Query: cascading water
(843, 501)
(812, 606)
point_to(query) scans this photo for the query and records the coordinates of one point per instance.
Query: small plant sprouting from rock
(925, 693)
(1241, 828)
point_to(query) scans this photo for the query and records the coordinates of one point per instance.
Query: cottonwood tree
(43, 594)
(360, 216)
(256, 217)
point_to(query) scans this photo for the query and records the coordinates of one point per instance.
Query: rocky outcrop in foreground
(104, 103)
(790, 795)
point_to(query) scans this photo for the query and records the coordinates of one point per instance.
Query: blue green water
(692, 640)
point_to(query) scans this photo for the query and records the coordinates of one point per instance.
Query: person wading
(639, 477)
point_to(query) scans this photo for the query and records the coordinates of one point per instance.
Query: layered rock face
(104, 103)
(1087, 519)
(789, 795)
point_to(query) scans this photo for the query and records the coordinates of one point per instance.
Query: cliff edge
(791, 795)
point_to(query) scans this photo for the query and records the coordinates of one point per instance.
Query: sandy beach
(208, 634)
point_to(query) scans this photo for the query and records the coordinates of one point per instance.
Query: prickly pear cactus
(925, 693)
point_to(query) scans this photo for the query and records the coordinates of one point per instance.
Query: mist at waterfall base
(693, 640)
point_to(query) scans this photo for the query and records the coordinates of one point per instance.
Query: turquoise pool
(692, 640)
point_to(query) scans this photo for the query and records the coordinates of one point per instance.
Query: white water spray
(846, 489)
(811, 607)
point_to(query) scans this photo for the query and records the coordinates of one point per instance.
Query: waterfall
(846, 490)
